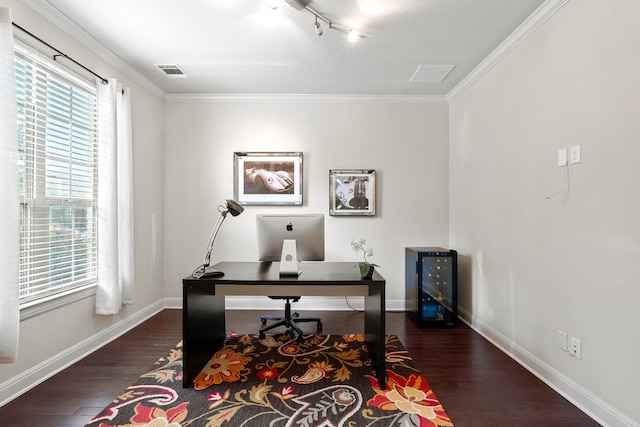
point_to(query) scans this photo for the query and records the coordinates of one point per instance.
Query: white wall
(45, 337)
(535, 265)
(405, 143)
(530, 265)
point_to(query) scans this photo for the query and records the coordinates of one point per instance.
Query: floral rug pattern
(323, 381)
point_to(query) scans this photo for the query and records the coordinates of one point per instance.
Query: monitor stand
(289, 259)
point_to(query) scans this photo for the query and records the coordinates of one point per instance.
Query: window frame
(34, 197)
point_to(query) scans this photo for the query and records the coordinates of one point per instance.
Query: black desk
(203, 308)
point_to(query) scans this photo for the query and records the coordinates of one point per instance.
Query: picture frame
(352, 192)
(267, 178)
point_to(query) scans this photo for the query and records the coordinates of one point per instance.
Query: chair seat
(293, 299)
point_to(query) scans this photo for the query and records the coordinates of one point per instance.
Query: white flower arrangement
(359, 245)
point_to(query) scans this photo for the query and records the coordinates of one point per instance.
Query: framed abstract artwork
(269, 178)
(352, 192)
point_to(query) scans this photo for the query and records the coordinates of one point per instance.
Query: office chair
(289, 320)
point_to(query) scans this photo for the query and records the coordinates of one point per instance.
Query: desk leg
(374, 329)
(203, 328)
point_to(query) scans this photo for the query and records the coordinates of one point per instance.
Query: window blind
(57, 141)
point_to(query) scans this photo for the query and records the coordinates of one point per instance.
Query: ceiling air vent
(172, 71)
(431, 73)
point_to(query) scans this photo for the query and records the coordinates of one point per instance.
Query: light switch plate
(562, 157)
(562, 340)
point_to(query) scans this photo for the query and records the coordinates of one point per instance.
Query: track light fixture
(352, 35)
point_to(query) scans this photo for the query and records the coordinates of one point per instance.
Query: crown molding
(528, 27)
(541, 15)
(53, 15)
(49, 12)
(307, 98)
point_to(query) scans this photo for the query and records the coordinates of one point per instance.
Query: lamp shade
(234, 207)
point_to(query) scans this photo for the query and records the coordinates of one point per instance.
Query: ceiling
(246, 47)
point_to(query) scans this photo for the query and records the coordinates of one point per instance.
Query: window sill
(36, 308)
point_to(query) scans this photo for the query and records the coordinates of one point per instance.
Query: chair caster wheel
(261, 335)
(319, 328)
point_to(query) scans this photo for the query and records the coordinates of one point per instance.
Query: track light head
(318, 28)
(353, 36)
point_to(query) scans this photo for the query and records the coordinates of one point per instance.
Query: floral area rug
(325, 380)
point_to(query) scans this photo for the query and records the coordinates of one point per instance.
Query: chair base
(290, 321)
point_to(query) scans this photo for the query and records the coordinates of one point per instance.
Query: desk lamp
(205, 270)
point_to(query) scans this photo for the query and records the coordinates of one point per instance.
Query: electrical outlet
(562, 340)
(575, 348)
(562, 157)
(574, 154)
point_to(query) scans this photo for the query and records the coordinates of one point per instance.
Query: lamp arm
(212, 239)
(203, 270)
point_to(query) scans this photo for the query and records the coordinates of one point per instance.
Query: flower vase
(366, 270)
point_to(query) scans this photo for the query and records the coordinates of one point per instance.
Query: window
(57, 141)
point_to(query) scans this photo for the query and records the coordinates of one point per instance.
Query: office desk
(203, 307)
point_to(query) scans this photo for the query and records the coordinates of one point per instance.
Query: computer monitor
(307, 231)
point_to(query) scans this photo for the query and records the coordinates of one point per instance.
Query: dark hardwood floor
(476, 383)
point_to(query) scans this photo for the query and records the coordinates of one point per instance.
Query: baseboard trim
(14, 387)
(587, 402)
(27, 380)
(576, 394)
(580, 397)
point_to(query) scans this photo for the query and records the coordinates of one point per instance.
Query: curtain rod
(59, 53)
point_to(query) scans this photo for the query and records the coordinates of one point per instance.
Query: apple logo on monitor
(290, 227)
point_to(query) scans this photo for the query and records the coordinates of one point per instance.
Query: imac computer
(289, 239)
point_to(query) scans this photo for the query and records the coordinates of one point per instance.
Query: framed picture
(352, 192)
(268, 178)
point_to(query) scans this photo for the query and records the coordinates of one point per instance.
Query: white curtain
(10, 211)
(116, 278)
